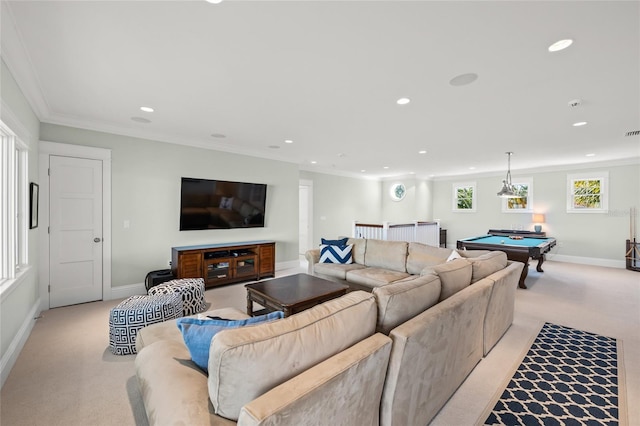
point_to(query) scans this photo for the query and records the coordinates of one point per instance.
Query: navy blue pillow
(197, 333)
(341, 242)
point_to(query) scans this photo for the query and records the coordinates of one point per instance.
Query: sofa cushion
(454, 275)
(244, 363)
(402, 300)
(359, 248)
(335, 254)
(197, 333)
(487, 264)
(386, 255)
(421, 256)
(335, 270)
(374, 277)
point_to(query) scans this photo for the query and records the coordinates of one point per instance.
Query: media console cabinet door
(267, 260)
(190, 264)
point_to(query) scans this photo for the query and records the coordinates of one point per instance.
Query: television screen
(218, 204)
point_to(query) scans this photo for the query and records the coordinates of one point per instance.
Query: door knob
(96, 240)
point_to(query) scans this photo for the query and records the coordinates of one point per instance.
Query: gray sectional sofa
(392, 356)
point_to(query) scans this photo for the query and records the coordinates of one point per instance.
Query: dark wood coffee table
(291, 294)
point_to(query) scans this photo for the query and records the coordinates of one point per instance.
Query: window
(14, 223)
(464, 197)
(588, 192)
(523, 187)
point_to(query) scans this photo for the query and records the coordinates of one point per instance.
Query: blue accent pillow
(336, 254)
(197, 333)
(341, 242)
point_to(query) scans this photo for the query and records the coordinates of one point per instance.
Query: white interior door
(75, 240)
(305, 216)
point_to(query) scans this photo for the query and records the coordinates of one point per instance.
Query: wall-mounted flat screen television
(219, 204)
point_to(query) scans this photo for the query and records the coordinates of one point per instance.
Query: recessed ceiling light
(141, 120)
(146, 109)
(422, 152)
(560, 45)
(472, 168)
(288, 141)
(313, 162)
(590, 155)
(463, 79)
(412, 173)
(362, 171)
(214, 1)
(579, 123)
(218, 135)
(385, 167)
(403, 101)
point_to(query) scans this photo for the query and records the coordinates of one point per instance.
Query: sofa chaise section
(306, 357)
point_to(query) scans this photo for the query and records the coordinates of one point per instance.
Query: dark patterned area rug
(568, 377)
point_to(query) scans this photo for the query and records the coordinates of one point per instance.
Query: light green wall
(338, 201)
(146, 192)
(16, 304)
(600, 236)
(415, 206)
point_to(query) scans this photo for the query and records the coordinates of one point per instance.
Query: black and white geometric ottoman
(191, 290)
(137, 312)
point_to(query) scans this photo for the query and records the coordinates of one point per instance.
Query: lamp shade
(538, 218)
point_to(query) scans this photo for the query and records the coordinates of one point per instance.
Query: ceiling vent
(633, 133)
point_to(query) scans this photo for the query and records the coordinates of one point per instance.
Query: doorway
(75, 230)
(305, 220)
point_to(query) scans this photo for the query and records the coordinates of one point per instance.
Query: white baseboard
(124, 291)
(595, 261)
(11, 355)
(287, 265)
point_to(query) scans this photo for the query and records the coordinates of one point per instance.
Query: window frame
(529, 198)
(603, 177)
(455, 199)
(13, 217)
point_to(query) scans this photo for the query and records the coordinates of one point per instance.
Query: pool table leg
(540, 261)
(523, 275)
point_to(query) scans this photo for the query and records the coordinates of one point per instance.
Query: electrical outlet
(169, 262)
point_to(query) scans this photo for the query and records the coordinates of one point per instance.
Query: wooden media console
(225, 263)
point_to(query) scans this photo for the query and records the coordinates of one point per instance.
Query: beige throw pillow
(454, 276)
(487, 264)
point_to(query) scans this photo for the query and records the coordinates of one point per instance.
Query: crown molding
(19, 63)
(546, 169)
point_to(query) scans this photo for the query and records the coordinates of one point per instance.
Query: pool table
(530, 246)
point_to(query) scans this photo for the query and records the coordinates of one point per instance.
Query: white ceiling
(327, 74)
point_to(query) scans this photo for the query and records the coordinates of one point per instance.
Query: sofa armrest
(173, 389)
(344, 389)
(313, 257)
(501, 304)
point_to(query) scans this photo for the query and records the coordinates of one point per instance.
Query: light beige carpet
(66, 374)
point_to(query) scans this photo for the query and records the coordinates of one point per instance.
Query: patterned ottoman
(136, 312)
(191, 289)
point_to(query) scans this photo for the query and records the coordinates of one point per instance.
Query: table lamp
(538, 220)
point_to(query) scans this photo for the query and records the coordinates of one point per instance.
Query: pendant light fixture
(507, 190)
